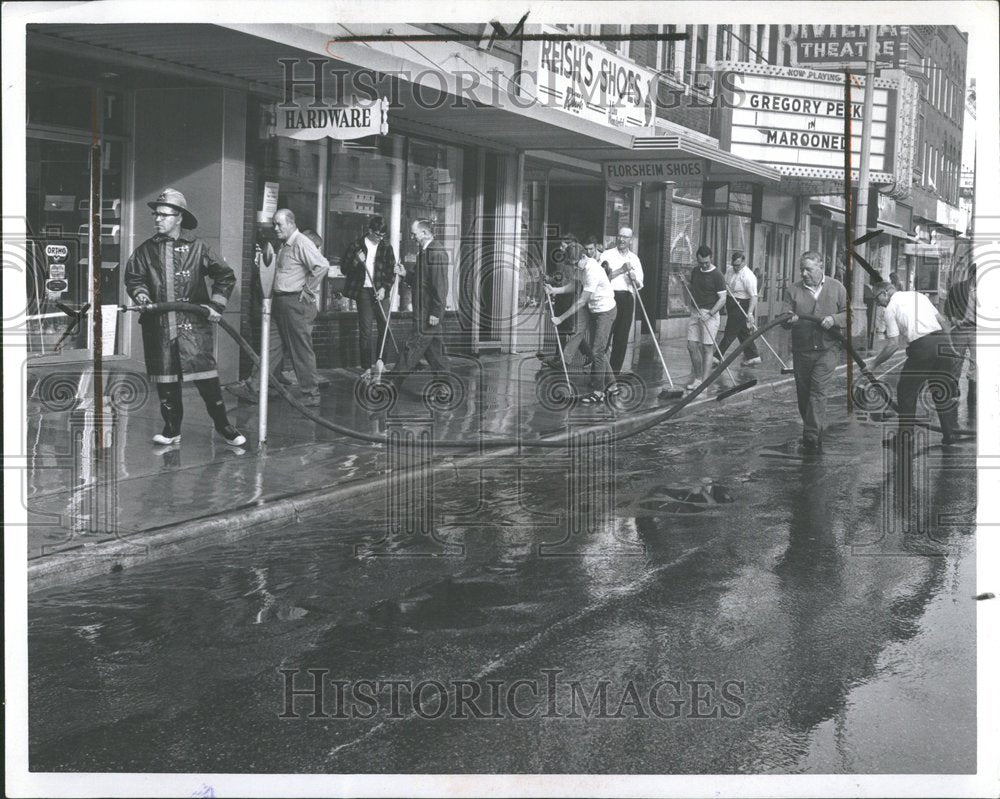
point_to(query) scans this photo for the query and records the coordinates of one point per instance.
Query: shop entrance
(576, 208)
(554, 202)
(59, 224)
(773, 263)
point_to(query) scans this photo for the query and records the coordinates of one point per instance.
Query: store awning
(831, 212)
(895, 232)
(721, 161)
(249, 55)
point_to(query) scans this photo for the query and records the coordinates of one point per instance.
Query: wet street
(694, 599)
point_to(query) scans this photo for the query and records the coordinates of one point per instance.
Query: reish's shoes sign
(588, 80)
(304, 119)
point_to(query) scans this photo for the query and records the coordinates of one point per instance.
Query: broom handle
(649, 324)
(385, 334)
(747, 316)
(562, 358)
(714, 342)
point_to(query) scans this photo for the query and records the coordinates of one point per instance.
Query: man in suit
(815, 353)
(429, 284)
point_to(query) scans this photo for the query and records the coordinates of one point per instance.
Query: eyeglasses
(161, 215)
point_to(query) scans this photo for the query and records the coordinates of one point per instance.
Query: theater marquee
(792, 119)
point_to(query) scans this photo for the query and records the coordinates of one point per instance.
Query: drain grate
(687, 499)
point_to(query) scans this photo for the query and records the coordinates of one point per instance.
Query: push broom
(562, 359)
(379, 366)
(736, 389)
(785, 368)
(667, 393)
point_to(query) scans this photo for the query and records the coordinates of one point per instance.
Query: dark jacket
(832, 301)
(194, 264)
(354, 270)
(429, 282)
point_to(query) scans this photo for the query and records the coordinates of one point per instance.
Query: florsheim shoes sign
(305, 120)
(683, 172)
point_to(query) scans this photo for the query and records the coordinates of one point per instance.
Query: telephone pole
(855, 278)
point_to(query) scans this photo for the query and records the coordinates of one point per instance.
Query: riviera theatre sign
(308, 120)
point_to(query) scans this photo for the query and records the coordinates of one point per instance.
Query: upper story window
(668, 52)
(701, 45)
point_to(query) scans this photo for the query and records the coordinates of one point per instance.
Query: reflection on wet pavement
(683, 556)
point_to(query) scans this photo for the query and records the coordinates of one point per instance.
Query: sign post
(848, 225)
(265, 267)
(866, 149)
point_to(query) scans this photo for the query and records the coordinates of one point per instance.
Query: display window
(65, 162)
(334, 188)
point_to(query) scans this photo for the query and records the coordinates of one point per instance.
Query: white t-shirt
(370, 263)
(910, 315)
(616, 260)
(595, 280)
(742, 284)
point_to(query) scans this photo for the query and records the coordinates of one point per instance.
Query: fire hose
(879, 387)
(635, 424)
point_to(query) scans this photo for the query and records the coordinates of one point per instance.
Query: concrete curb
(75, 565)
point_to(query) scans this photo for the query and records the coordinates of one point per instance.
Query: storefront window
(362, 181)
(335, 187)
(532, 240)
(292, 165)
(739, 237)
(59, 270)
(686, 229)
(763, 243)
(816, 238)
(618, 213)
(433, 191)
(740, 202)
(60, 101)
(685, 239)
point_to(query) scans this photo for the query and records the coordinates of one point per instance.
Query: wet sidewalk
(137, 501)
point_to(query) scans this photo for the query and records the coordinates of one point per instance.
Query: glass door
(58, 197)
(59, 269)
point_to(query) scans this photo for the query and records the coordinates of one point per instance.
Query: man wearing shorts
(708, 288)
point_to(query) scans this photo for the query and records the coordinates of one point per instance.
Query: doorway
(555, 202)
(574, 207)
(59, 272)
